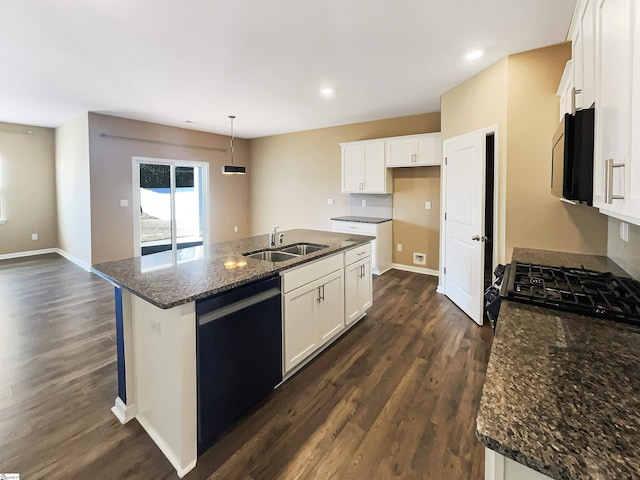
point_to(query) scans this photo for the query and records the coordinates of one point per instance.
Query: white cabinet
(582, 34)
(566, 91)
(616, 188)
(414, 150)
(363, 168)
(313, 308)
(499, 467)
(381, 256)
(358, 292)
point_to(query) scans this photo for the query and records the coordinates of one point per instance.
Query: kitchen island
(164, 301)
(561, 397)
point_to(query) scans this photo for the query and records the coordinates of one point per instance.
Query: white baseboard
(43, 251)
(123, 412)
(73, 259)
(410, 268)
(166, 449)
(440, 289)
(28, 253)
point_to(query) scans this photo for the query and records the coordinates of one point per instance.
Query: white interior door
(464, 222)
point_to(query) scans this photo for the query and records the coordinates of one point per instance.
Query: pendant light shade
(233, 169)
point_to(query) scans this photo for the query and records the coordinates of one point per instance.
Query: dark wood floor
(396, 397)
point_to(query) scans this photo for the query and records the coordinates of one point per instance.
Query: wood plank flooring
(396, 397)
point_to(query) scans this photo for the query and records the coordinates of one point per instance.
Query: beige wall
(479, 103)
(27, 188)
(625, 254)
(518, 95)
(73, 189)
(111, 180)
(535, 218)
(417, 229)
(294, 174)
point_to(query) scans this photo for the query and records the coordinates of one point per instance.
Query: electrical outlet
(34, 236)
(427, 205)
(419, 258)
(364, 203)
(399, 247)
(124, 203)
(329, 201)
(155, 326)
(235, 229)
(624, 231)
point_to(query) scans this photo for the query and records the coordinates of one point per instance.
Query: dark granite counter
(169, 279)
(562, 391)
(351, 218)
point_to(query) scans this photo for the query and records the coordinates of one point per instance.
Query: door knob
(479, 238)
(476, 238)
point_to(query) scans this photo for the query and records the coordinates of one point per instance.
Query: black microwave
(572, 157)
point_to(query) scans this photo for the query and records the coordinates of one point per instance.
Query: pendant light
(233, 169)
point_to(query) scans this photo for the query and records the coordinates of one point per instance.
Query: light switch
(399, 247)
(364, 203)
(329, 201)
(124, 203)
(235, 229)
(427, 205)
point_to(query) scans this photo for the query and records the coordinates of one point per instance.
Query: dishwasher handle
(237, 306)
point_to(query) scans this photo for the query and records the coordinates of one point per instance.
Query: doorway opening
(489, 196)
(170, 205)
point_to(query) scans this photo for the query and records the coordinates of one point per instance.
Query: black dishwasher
(239, 354)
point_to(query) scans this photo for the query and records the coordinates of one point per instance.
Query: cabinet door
(352, 168)
(401, 152)
(586, 52)
(613, 97)
(299, 331)
(375, 171)
(429, 150)
(329, 318)
(358, 293)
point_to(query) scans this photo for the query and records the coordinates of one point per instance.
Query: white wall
(73, 189)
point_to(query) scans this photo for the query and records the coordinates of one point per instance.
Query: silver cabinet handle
(609, 165)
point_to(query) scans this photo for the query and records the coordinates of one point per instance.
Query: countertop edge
(271, 273)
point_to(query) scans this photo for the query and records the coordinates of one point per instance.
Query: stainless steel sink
(271, 255)
(303, 248)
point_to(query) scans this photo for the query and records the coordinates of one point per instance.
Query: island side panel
(125, 403)
(165, 370)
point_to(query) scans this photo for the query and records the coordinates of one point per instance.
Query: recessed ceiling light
(474, 54)
(327, 91)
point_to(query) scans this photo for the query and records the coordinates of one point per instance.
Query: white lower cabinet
(499, 467)
(358, 289)
(320, 300)
(313, 313)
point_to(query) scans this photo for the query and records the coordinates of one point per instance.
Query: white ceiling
(169, 61)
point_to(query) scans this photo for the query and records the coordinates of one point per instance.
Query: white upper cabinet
(363, 168)
(583, 41)
(414, 150)
(617, 146)
(566, 91)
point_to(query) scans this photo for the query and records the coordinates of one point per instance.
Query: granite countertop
(352, 218)
(562, 391)
(169, 279)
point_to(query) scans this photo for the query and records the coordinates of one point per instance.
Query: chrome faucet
(272, 237)
(281, 239)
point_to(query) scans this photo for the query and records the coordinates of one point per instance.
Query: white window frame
(173, 163)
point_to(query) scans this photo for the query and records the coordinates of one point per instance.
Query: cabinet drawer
(310, 272)
(354, 227)
(358, 253)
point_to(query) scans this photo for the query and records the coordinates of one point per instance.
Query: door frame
(498, 238)
(135, 167)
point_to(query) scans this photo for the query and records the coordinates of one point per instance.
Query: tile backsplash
(625, 254)
(380, 206)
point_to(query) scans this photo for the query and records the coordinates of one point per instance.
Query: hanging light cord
(232, 117)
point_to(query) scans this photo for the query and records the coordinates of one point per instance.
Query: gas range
(576, 290)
